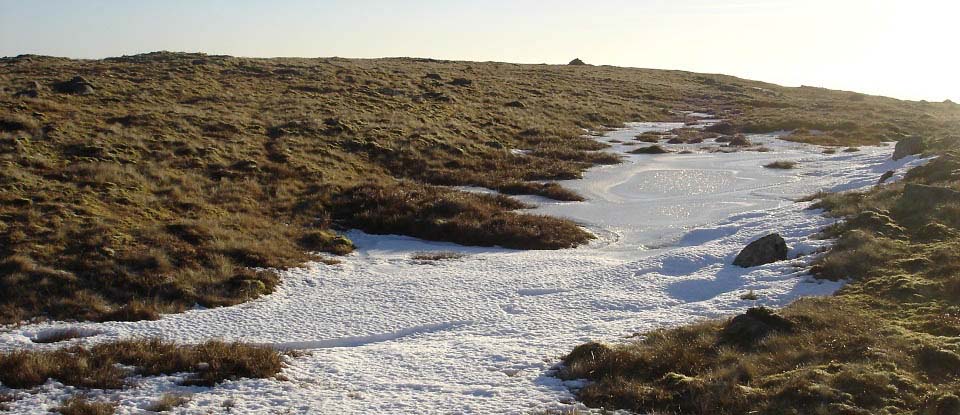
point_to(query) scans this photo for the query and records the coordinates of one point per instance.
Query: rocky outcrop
(576, 61)
(770, 248)
(908, 147)
(78, 85)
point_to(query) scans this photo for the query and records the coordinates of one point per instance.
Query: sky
(901, 48)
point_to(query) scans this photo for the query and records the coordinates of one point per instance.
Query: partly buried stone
(654, 149)
(886, 176)
(746, 329)
(740, 140)
(723, 127)
(32, 90)
(494, 144)
(78, 85)
(908, 147)
(770, 248)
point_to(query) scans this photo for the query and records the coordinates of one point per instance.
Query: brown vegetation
(167, 402)
(436, 256)
(781, 164)
(79, 405)
(103, 366)
(145, 184)
(885, 343)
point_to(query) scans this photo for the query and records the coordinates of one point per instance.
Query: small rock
(434, 76)
(461, 82)
(78, 85)
(886, 176)
(740, 141)
(654, 149)
(675, 140)
(436, 96)
(515, 104)
(245, 165)
(908, 147)
(577, 61)
(390, 92)
(29, 93)
(770, 248)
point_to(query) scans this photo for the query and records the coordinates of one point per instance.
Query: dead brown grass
(180, 172)
(103, 366)
(80, 405)
(436, 256)
(437, 214)
(884, 344)
(781, 164)
(167, 402)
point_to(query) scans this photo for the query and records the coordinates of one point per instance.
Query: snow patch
(481, 334)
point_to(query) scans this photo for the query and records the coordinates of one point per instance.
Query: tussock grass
(781, 164)
(80, 405)
(436, 256)
(167, 402)
(438, 214)
(180, 172)
(654, 149)
(101, 366)
(885, 343)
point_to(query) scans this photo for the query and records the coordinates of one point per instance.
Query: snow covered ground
(479, 334)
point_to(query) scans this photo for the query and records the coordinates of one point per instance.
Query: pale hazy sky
(901, 48)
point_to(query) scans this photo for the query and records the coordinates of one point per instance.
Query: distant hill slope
(143, 184)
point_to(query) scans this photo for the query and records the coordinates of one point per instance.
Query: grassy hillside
(159, 181)
(886, 343)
